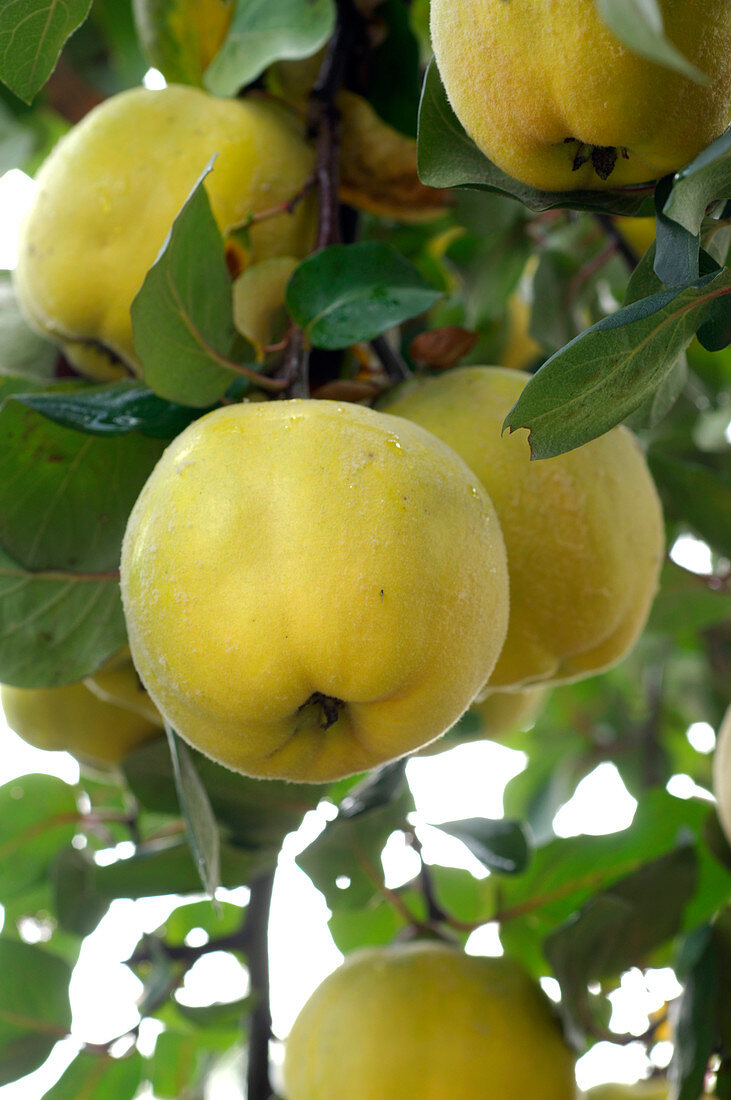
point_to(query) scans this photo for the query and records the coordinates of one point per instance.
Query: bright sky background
(464, 782)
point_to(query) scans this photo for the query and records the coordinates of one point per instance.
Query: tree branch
(255, 934)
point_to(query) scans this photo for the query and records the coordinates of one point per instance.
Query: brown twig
(393, 364)
(620, 244)
(287, 206)
(255, 932)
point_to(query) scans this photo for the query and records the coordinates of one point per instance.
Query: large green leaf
(32, 34)
(348, 293)
(114, 409)
(706, 178)
(262, 32)
(182, 316)
(65, 496)
(344, 862)
(611, 369)
(501, 846)
(99, 1077)
(38, 816)
(34, 1007)
(618, 928)
(56, 627)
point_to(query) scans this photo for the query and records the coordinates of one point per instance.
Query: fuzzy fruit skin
(525, 76)
(583, 531)
(287, 550)
(73, 719)
(423, 1021)
(722, 773)
(110, 190)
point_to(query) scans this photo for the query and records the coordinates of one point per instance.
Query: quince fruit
(583, 531)
(722, 773)
(493, 718)
(639, 233)
(111, 189)
(311, 588)
(554, 99)
(423, 1019)
(73, 719)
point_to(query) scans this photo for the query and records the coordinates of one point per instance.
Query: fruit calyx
(602, 157)
(328, 705)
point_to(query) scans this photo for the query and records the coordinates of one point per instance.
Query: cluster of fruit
(381, 570)
(312, 588)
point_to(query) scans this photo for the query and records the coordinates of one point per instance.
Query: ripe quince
(423, 1019)
(583, 531)
(111, 189)
(73, 719)
(554, 99)
(312, 588)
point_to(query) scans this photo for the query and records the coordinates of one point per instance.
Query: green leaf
(677, 250)
(22, 351)
(611, 369)
(377, 789)
(619, 927)
(77, 492)
(376, 923)
(55, 627)
(34, 1007)
(639, 24)
(76, 903)
(656, 407)
(170, 869)
(348, 293)
(685, 602)
(256, 813)
(697, 495)
(114, 409)
(32, 34)
(563, 874)
(447, 157)
(180, 1059)
(216, 921)
(344, 862)
(200, 822)
(219, 1015)
(706, 178)
(698, 969)
(38, 816)
(182, 316)
(262, 32)
(500, 845)
(99, 1077)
